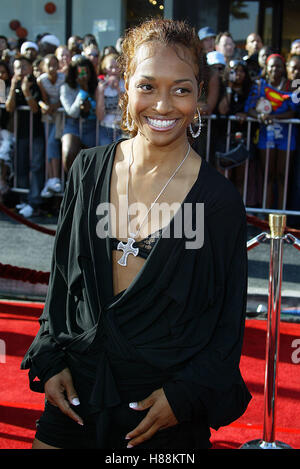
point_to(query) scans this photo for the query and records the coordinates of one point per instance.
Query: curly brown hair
(167, 32)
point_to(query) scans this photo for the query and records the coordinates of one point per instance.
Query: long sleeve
(45, 357)
(70, 100)
(210, 385)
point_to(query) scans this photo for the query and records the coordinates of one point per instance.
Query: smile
(161, 124)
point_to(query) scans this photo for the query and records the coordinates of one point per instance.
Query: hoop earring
(129, 127)
(196, 134)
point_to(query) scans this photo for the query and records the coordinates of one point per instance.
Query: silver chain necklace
(128, 247)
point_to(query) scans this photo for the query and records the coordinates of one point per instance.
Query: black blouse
(178, 325)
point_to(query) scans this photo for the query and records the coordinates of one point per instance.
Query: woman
(50, 83)
(110, 89)
(237, 85)
(78, 98)
(269, 99)
(64, 58)
(146, 346)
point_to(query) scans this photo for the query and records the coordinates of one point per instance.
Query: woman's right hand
(56, 389)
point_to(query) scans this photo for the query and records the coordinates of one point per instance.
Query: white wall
(103, 18)
(33, 17)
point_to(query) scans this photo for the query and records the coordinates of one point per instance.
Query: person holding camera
(78, 98)
(50, 82)
(110, 88)
(30, 168)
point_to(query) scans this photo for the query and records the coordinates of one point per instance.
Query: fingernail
(75, 401)
(129, 445)
(127, 437)
(80, 423)
(133, 405)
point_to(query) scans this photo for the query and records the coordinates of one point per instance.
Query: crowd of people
(85, 81)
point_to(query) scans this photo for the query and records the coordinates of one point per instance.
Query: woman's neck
(52, 78)
(148, 157)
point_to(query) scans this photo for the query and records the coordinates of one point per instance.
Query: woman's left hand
(159, 416)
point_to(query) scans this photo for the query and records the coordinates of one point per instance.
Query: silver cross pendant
(127, 249)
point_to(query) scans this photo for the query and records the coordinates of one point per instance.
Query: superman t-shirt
(281, 102)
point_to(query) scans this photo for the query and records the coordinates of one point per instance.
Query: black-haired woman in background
(78, 98)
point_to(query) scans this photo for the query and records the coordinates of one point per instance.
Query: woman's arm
(26, 88)
(70, 100)
(10, 104)
(100, 106)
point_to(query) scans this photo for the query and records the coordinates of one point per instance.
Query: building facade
(277, 21)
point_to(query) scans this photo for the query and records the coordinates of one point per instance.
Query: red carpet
(19, 407)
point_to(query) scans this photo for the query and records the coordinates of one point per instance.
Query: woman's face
(111, 67)
(92, 53)
(293, 69)
(262, 56)
(162, 92)
(64, 57)
(275, 69)
(51, 66)
(240, 75)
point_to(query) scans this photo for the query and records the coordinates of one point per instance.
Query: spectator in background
(216, 61)
(295, 47)
(273, 135)
(237, 85)
(108, 50)
(64, 58)
(48, 44)
(118, 45)
(13, 45)
(37, 67)
(92, 53)
(50, 83)
(3, 44)
(89, 39)
(207, 37)
(293, 71)
(108, 95)
(253, 44)
(225, 44)
(263, 54)
(30, 172)
(217, 64)
(78, 97)
(293, 75)
(30, 50)
(74, 45)
(6, 133)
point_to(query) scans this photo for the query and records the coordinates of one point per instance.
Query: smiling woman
(141, 334)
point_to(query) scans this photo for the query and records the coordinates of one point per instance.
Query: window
(243, 20)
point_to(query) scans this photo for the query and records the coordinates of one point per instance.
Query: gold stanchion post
(277, 226)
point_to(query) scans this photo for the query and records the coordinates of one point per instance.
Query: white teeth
(161, 123)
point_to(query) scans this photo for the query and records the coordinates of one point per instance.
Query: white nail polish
(133, 405)
(75, 401)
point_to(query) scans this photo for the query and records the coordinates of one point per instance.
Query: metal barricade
(208, 146)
